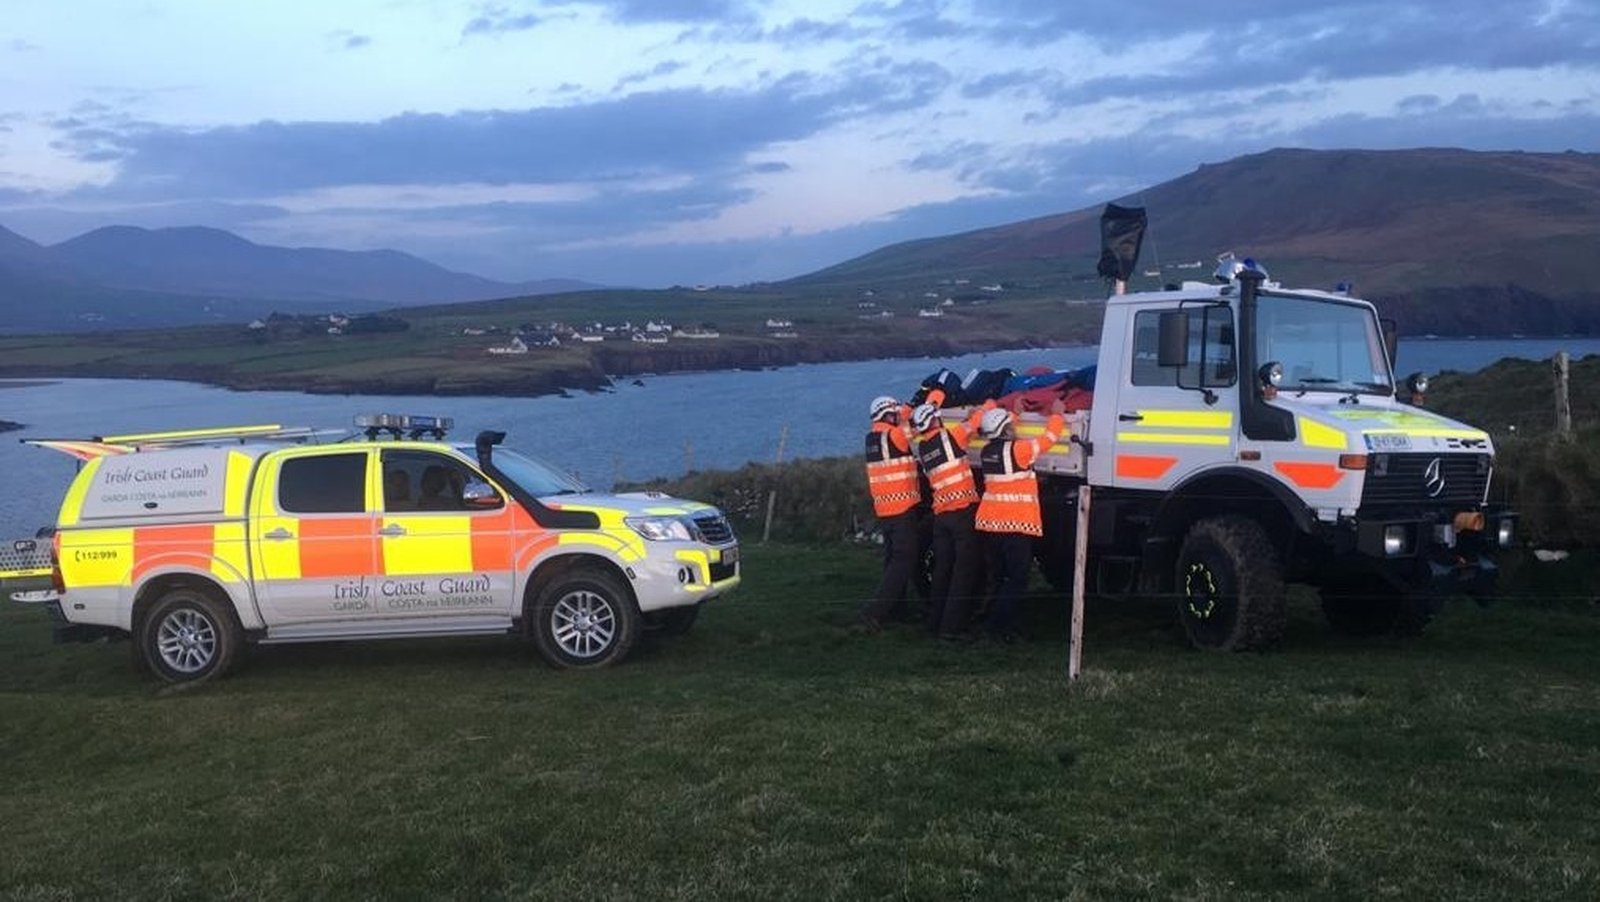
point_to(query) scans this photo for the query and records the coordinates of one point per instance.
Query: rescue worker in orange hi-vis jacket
(957, 553)
(1009, 512)
(892, 482)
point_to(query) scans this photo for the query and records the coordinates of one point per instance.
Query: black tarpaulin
(1121, 234)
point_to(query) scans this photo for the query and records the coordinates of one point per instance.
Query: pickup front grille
(1415, 479)
(714, 530)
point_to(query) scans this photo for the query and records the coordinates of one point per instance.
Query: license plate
(730, 555)
(1388, 441)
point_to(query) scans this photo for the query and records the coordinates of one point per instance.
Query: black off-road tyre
(187, 636)
(1229, 583)
(584, 619)
(671, 621)
(1372, 607)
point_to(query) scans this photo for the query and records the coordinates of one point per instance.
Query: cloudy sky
(653, 142)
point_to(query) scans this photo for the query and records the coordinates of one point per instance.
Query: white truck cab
(1243, 435)
(193, 543)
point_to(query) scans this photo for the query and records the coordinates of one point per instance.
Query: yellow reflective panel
(701, 561)
(72, 504)
(96, 557)
(1411, 422)
(278, 559)
(266, 492)
(230, 552)
(1173, 438)
(1186, 419)
(433, 543)
(237, 487)
(1315, 435)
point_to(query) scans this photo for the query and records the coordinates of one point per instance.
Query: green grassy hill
(1455, 242)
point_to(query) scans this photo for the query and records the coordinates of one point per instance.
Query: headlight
(1506, 532)
(1396, 540)
(660, 529)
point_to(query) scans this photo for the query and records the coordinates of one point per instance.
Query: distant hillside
(126, 277)
(1449, 241)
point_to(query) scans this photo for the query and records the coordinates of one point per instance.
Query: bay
(655, 426)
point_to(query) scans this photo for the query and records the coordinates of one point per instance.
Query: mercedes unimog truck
(1243, 436)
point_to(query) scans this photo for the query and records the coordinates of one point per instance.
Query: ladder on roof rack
(104, 445)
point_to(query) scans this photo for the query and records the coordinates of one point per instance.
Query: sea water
(646, 427)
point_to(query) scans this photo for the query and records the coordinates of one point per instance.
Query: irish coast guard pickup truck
(1243, 435)
(195, 543)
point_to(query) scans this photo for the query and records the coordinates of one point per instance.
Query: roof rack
(103, 445)
(183, 436)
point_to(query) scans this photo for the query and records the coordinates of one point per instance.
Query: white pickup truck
(193, 543)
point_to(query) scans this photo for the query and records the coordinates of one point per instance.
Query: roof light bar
(396, 423)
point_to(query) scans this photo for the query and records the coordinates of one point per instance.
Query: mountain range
(122, 276)
(1448, 241)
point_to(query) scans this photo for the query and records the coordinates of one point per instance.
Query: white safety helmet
(994, 422)
(923, 418)
(883, 406)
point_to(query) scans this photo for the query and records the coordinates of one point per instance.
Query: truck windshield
(1322, 345)
(534, 476)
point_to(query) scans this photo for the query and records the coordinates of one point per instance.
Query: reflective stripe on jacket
(1010, 488)
(891, 471)
(942, 453)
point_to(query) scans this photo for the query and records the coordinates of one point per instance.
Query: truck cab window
(1211, 350)
(423, 481)
(323, 484)
(1323, 345)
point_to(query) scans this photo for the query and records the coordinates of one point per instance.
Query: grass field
(775, 753)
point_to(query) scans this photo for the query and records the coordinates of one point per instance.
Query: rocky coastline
(596, 372)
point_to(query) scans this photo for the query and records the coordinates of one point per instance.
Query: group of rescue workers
(917, 466)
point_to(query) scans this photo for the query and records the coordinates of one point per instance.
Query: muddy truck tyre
(1230, 587)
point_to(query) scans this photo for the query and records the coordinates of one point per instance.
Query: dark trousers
(1011, 557)
(957, 563)
(901, 548)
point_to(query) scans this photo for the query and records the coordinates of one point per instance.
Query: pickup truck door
(442, 554)
(1171, 421)
(313, 536)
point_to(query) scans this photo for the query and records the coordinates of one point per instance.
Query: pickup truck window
(1218, 368)
(323, 484)
(420, 481)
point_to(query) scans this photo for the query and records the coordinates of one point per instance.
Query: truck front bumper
(1444, 552)
(687, 575)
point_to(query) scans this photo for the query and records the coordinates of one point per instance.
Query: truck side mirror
(1172, 339)
(480, 496)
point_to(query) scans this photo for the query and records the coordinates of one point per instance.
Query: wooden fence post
(1080, 555)
(772, 494)
(1562, 368)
